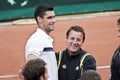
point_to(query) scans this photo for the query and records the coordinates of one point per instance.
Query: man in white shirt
(39, 45)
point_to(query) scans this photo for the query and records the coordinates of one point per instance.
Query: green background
(10, 10)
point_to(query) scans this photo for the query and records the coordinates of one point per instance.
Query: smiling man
(73, 61)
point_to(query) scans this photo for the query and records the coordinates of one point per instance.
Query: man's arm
(89, 63)
(113, 69)
(31, 56)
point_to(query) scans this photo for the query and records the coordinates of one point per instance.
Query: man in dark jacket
(115, 63)
(73, 61)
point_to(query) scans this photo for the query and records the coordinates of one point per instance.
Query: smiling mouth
(74, 47)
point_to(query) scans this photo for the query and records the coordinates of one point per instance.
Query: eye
(78, 39)
(72, 38)
(50, 17)
(53, 16)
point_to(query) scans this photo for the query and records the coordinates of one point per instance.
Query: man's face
(74, 42)
(45, 77)
(47, 23)
(118, 30)
(46, 74)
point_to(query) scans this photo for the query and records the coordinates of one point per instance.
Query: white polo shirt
(40, 45)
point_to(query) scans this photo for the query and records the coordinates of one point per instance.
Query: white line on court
(7, 76)
(15, 75)
(103, 67)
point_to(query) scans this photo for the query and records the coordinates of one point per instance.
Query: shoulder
(117, 52)
(38, 37)
(89, 57)
(59, 52)
(85, 53)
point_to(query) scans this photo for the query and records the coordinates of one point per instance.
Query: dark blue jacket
(69, 67)
(115, 65)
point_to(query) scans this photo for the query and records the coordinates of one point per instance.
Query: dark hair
(90, 75)
(77, 29)
(33, 69)
(118, 21)
(40, 10)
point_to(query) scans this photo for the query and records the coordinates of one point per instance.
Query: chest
(70, 63)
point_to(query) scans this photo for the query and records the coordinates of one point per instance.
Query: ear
(39, 19)
(82, 43)
(41, 78)
(66, 40)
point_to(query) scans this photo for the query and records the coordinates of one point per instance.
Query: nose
(74, 41)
